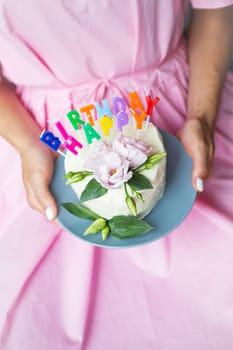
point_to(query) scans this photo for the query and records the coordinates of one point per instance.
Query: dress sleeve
(210, 4)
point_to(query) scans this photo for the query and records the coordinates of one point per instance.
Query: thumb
(46, 200)
(41, 198)
(200, 167)
(197, 139)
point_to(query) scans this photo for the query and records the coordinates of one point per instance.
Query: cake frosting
(119, 155)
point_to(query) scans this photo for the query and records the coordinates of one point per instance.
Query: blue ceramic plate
(171, 210)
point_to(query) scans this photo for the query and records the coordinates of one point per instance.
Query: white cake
(113, 202)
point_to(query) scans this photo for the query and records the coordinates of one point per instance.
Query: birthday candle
(122, 119)
(105, 110)
(136, 104)
(74, 118)
(151, 104)
(106, 123)
(90, 133)
(50, 140)
(62, 130)
(87, 109)
(139, 118)
(135, 101)
(71, 144)
(119, 107)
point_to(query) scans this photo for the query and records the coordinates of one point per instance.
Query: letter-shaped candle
(101, 111)
(136, 104)
(71, 143)
(122, 117)
(151, 104)
(62, 130)
(90, 133)
(87, 109)
(50, 140)
(106, 123)
(75, 120)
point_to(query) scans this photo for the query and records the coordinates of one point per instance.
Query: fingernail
(49, 213)
(199, 184)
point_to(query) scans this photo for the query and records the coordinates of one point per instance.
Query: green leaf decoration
(105, 232)
(151, 161)
(80, 211)
(92, 190)
(139, 196)
(69, 175)
(156, 157)
(76, 176)
(131, 205)
(128, 226)
(139, 182)
(98, 225)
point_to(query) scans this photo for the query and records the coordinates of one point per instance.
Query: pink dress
(58, 292)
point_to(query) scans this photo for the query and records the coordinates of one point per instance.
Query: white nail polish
(49, 213)
(199, 184)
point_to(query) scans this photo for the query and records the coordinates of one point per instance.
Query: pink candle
(71, 144)
(62, 130)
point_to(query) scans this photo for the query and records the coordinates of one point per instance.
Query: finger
(32, 198)
(200, 158)
(211, 159)
(46, 200)
(40, 198)
(197, 140)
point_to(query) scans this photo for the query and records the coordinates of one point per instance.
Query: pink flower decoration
(96, 154)
(135, 151)
(110, 169)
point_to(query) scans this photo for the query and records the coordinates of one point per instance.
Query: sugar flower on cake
(95, 154)
(109, 168)
(135, 151)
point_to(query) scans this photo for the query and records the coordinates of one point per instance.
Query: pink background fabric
(57, 292)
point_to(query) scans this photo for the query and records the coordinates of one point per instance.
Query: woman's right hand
(37, 168)
(197, 139)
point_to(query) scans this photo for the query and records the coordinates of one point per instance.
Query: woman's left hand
(37, 169)
(197, 139)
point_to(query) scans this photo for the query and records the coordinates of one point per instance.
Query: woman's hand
(19, 128)
(37, 168)
(197, 139)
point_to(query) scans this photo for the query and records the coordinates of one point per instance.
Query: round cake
(120, 174)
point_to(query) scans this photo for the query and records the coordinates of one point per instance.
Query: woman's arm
(209, 52)
(16, 124)
(19, 128)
